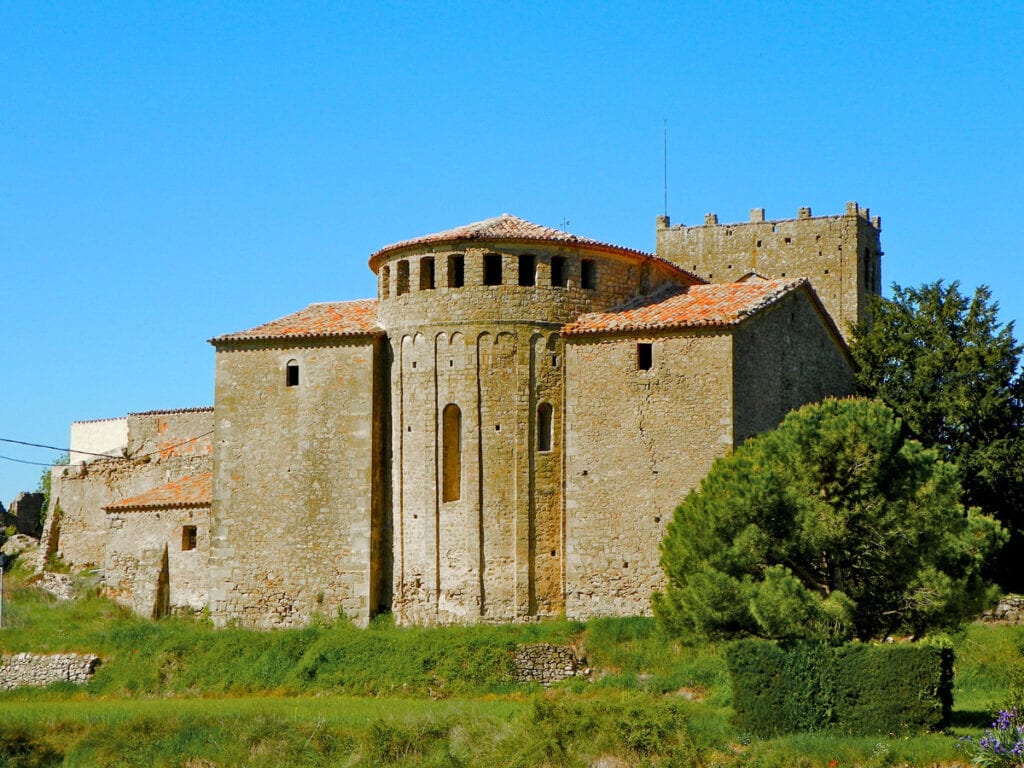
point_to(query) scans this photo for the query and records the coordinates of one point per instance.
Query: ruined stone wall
(785, 357)
(171, 434)
(136, 566)
(295, 474)
(840, 254)
(76, 525)
(636, 442)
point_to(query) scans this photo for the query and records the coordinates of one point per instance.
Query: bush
(785, 687)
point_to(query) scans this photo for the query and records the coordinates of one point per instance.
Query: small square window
(188, 537)
(644, 356)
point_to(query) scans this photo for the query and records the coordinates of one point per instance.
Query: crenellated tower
(841, 255)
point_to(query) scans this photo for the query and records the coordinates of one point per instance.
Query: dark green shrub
(785, 687)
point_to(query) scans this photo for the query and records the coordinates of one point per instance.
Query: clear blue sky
(173, 171)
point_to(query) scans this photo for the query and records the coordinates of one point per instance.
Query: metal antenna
(666, 166)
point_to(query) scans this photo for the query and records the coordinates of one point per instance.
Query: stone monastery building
(502, 434)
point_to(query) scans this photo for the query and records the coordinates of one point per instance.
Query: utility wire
(90, 453)
(33, 463)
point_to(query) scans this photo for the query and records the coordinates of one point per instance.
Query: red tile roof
(504, 227)
(718, 304)
(325, 320)
(194, 491)
(507, 227)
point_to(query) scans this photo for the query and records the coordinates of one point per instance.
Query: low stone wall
(545, 664)
(1009, 610)
(36, 670)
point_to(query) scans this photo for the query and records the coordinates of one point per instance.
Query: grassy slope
(180, 693)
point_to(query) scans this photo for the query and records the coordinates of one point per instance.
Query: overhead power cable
(90, 453)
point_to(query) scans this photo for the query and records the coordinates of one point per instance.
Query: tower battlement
(840, 254)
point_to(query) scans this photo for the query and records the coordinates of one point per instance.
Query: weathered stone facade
(501, 435)
(160, 447)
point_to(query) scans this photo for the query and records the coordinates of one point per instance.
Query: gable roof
(192, 491)
(695, 306)
(323, 320)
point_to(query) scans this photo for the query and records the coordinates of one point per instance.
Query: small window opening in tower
(292, 374)
(544, 427)
(527, 269)
(492, 269)
(403, 278)
(188, 537)
(644, 356)
(456, 271)
(588, 274)
(558, 272)
(385, 282)
(451, 453)
(427, 273)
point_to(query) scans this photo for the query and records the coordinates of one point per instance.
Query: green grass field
(179, 693)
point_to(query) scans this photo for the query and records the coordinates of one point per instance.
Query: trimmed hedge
(784, 687)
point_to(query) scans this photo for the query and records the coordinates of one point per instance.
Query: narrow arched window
(385, 282)
(451, 453)
(292, 373)
(545, 426)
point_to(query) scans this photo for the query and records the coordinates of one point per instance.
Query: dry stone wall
(21, 670)
(546, 664)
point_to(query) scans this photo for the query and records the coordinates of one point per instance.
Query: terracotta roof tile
(719, 304)
(504, 227)
(336, 318)
(508, 227)
(193, 491)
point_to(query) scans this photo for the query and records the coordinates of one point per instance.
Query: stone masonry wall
(840, 254)
(545, 663)
(297, 483)
(134, 563)
(783, 358)
(636, 442)
(76, 525)
(29, 669)
(489, 545)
